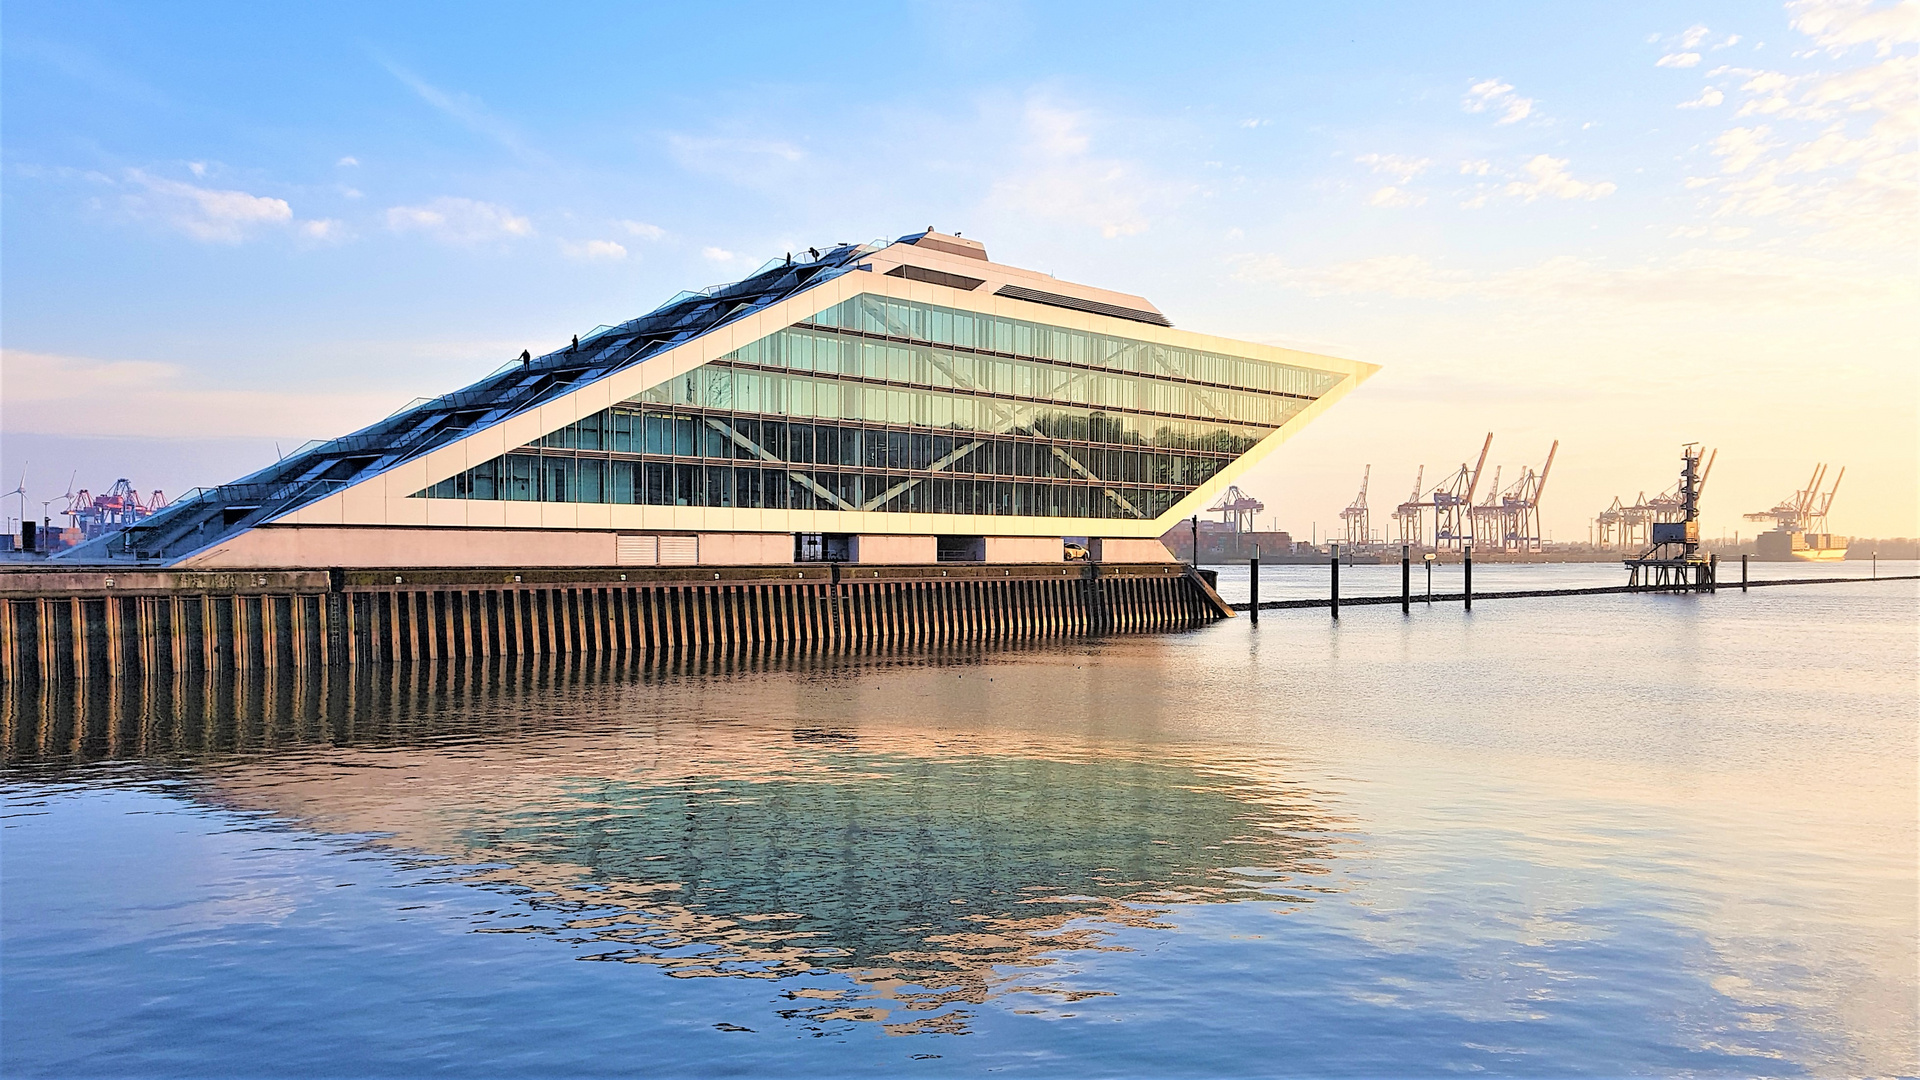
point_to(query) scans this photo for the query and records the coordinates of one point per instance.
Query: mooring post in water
(1713, 573)
(1467, 564)
(1743, 573)
(1406, 578)
(1253, 585)
(1429, 562)
(1196, 541)
(1335, 549)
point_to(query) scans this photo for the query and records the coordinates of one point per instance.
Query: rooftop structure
(887, 402)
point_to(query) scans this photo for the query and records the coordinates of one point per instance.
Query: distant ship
(1791, 545)
(1799, 532)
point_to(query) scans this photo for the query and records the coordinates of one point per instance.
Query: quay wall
(90, 623)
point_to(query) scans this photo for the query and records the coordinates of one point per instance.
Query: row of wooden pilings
(93, 623)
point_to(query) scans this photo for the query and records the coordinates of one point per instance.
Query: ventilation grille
(936, 277)
(1015, 292)
(679, 550)
(636, 551)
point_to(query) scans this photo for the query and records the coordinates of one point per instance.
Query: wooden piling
(82, 624)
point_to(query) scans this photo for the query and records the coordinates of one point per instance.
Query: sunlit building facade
(890, 402)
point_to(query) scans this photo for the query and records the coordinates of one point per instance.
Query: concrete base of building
(323, 545)
(271, 546)
(1109, 550)
(890, 550)
(1022, 549)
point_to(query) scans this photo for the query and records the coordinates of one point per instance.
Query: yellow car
(1075, 552)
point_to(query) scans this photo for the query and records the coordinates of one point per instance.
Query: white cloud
(459, 221)
(1058, 176)
(210, 215)
(347, 162)
(1693, 36)
(1475, 168)
(1739, 148)
(327, 229)
(1401, 168)
(748, 162)
(592, 250)
(1254, 123)
(642, 230)
(1394, 197)
(1709, 97)
(1678, 60)
(1838, 25)
(70, 395)
(1548, 176)
(1494, 94)
(716, 254)
(466, 110)
(1707, 277)
(1732, 40)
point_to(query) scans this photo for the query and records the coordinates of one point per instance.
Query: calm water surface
(1605, 835)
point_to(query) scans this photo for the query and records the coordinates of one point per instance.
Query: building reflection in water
(690, 819)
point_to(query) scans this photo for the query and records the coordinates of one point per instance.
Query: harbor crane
(119, 507)
(1806, 512)
(1406, 516)
(1452, 503)
(1630, 527)
(1509, 520)
(1359, 528)
(1237, 508)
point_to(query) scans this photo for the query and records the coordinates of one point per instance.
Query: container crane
(1237, 508)
(1359, 527)
(1406, 516)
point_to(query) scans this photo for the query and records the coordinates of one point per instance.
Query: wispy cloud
(1548, 177)
(464, 109)
(1393, 198)
(1716, 278)
(746, 161)
(1400, 168)
(594, 250)
(1492, 94)
(459, 221)
(1839, 25)
(1709, 97)
(642, 230)
(1678, 60)
(72, 395)
(1059, 175)
(210, 215)
(1837, 151)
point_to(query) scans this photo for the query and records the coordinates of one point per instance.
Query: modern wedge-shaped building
(894, 402)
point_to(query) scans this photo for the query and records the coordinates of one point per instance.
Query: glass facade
(886, 406)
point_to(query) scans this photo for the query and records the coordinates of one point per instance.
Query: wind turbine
(21, 490)
(46, 513)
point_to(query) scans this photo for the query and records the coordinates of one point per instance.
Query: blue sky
(226, 226)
